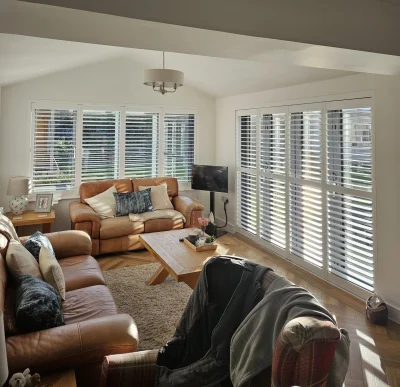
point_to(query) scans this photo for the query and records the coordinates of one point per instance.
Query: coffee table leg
(191, 281)
(158, 277)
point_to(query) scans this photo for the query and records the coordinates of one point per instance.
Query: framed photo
(43, 202)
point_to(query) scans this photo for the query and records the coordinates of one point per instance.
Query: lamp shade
(168, 77)
(19, 186)
(3, 352)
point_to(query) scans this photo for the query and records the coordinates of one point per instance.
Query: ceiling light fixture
(163, 80)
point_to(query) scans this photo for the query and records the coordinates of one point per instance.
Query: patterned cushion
(35, 243)
(133, 202)
(38, 305)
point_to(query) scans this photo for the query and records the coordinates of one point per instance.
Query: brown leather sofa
(120, 234)
(93, 329)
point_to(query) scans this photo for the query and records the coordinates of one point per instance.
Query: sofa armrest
(72, 345)
(69, 243)
(304, 352)
(190, 208)
(83, 213)
(135, 369)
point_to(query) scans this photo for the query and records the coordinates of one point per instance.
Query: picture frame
(44, 202)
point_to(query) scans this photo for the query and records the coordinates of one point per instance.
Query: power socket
(225, 199)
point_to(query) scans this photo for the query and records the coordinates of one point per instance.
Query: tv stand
(212, 228)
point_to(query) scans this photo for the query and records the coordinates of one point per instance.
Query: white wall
(118, 81)
(387, 159)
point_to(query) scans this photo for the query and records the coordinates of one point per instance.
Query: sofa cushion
(37, 305)
(51, 271)
(35, 242)
(172, 184)
(103, 204)
(80, 272)
(92, 188)
(133, 202)
(20, 261)
(159, 196)
(119, 227)
(159, 214)
(156, 225)
(88, 303)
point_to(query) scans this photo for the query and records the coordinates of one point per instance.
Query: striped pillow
(133, 202)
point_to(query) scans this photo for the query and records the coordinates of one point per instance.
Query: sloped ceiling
(25, 58)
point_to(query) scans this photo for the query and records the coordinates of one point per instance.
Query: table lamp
(3, 352)
(19, 187)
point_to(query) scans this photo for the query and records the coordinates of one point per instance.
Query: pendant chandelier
(163, 80)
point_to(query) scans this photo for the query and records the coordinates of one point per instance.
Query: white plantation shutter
(100, 145)
(272, 147)
(246, 179)
(54, 142)
(248, 141)
(306, 223)
(179, 140)
(350, 208)
(349, 148)
(305, 145)
(350, 239)
(273, 211)
(141, 144)
(247, 202)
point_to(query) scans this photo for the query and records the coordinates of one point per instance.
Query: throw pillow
(20, 261)
(38, 305)
(103, 204)
(133, 202)
(51, 271)
(36, 242)
(159, 196)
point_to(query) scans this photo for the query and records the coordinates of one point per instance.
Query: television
(210, 178)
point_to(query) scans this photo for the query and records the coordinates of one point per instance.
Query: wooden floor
(375, 351)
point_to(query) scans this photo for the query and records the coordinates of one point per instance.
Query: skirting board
(229, 227)
(394, 314)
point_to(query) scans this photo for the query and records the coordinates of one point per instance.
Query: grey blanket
(253, 342)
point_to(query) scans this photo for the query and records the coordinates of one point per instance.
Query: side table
(30, 218)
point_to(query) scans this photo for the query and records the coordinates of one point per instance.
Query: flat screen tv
(210, 178)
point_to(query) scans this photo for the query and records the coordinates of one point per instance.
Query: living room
(319, 209)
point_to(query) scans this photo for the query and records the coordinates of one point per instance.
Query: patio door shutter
(100, 145)
(246, 179)
(350, 210)
(306, 201)
(272, 184)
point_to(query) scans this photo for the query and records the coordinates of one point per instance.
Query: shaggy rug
(155, 309)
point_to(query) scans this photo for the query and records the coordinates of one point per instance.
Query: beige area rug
(155, 309)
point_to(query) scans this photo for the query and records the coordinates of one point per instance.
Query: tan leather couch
(93, 329)
(120, 234)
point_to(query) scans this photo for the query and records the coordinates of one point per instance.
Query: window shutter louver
(349, 148)
(179, 140)
(54, 144)
(306, 223)
(305, 145)
(100, 145)
(141, 144)
(272, 149)
(247, 202)
(273, 211)
(350, 239)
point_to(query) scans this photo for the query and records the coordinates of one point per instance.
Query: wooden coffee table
(176, 258)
